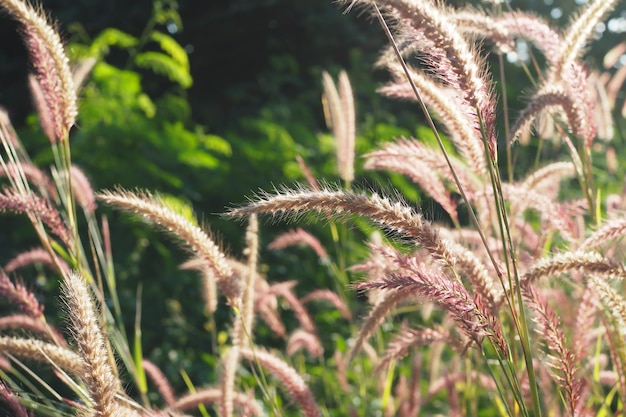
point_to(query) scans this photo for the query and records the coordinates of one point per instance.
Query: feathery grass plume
(32, 325)
(393, 216)
(576, 79)
(7, 132)
(160, 381)
(301, 339)
(549, 175)
(409, 397)
(612, 57)
(553, 214)
(602, 110)
(45, 353)
(585, 316)
(17, 294)
(209, 285)
(308, 175)
(242, 328)
(452, 58)
(533, 29)
(563, 360)
(580, 31)
(421, 174)
(440, 100)
(284, 289)
(386, 301)
(614, 85)
(549, 98)
(266, 306)
(36, 208)
(613, 306)
(157, 211)
(247, 302)
(293, 383)
(477, 22)
(413, 150)
(332, 298)
(50, 64)
(613, 229)
(340, 118)
(587, 262)
(482, 282)
(442, 382)
(227, 378)
(81, 70)
(99, 378)
(468, 312)
(245, 403)
(36, 256)
(46, 117)
(82, 190)
(406, 339)
(299, 236)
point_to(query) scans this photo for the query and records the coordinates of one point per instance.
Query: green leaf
(145, 104)
(198, 159)
(169, 15)
(164, 65)
(172, 48)
(214, 143)
(111, 37)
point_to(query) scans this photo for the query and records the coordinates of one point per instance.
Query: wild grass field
(508, 302)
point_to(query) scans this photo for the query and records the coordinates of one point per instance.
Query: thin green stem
(431, 125)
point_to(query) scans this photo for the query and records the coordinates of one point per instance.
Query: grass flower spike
(53, 84)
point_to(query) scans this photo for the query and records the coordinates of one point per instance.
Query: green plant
(483, 331)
